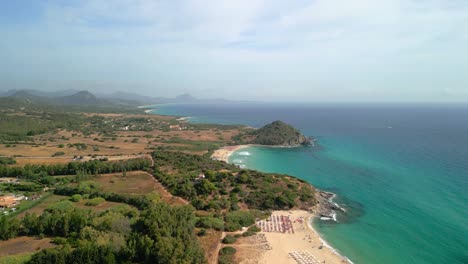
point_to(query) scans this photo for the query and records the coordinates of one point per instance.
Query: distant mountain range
(74, 97)
(77, 98)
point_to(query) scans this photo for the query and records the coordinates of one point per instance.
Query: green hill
(277, 133)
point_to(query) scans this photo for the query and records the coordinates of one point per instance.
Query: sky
(270, 50)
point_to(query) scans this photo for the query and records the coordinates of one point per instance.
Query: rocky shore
(327, 208)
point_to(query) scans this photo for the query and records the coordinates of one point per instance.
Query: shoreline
(223, 154)
(305, 240)
(325, 208)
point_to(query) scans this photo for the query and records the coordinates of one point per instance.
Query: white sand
(223, 153)
(304, 238)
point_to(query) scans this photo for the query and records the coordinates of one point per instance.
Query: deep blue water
(400, 170)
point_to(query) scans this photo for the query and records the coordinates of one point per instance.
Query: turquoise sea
(401, 171)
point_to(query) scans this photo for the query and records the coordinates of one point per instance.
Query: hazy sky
(315, 50)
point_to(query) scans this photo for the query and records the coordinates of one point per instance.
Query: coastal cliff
(277, 133)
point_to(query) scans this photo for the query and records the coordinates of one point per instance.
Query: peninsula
(275, 134)
(278, 133)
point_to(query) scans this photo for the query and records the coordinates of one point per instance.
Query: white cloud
(318, 47)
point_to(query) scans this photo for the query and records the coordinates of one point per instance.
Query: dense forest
(158, 234)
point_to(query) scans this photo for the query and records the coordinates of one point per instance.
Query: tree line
(72, 168)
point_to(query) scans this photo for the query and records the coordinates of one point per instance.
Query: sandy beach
(273, 246)
(276, 243)
(223, 153)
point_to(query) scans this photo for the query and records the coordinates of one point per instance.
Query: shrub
(202, 232)
(76, 198)
(95, 201)
(59, 241)
(59, 153)
(248, 233)
(254, 228)
(237, 219)
(63, 205)
(229, 239)
(210, 222)
(227, 251)
(7, 160)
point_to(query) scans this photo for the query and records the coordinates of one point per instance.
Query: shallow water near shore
(400, 171)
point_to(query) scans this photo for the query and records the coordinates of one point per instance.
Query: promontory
(278, 133)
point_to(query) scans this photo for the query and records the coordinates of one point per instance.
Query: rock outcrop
(279, 133)
(327, 208)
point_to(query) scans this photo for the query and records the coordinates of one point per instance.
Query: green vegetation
(229, 239)
(254, 229)
(59, 153)
(76, 198)
(227, 251)
(276, 133)
(192, 145)
(16, 259)
(7, 161)
(159, 234)
(226, 255)
(225, 186)
(237, 219)
(210, 222)
(248, 233)
(16, 127)
(20, 187)
(72, 168)
(95, 201)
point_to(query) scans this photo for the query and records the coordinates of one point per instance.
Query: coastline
(305, 240)
(225, 152)
(309, 239)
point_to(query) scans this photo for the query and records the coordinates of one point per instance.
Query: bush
(210, 222)
(76, 198)
(59, 241)
(248, 233)
(238, 219)
(202, 232)
(62, 206)
(229, 239)
(227, 251)
(254, 228)
(59, 153)
(7, 160)
(95, 201)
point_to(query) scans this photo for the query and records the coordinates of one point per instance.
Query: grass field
(134, 183)
(38, 209)
(22, 245)
(52, 199)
